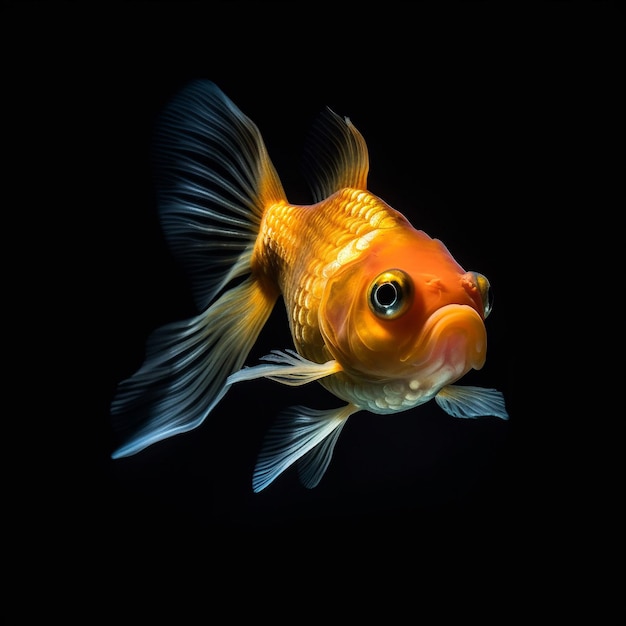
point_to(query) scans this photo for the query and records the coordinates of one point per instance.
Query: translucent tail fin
(185, 371)
(214, 181)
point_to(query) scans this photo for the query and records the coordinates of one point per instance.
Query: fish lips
(452, 342)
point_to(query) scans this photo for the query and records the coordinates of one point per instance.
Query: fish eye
(390, 294)
(486, 294)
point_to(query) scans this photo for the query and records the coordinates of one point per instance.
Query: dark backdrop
(495, 127)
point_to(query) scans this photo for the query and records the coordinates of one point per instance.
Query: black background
(496, 127)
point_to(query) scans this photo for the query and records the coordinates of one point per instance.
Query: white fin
(186, 367)
(288, 368)
(460, 401)
(296, 432)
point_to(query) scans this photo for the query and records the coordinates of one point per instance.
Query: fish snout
(454, 341)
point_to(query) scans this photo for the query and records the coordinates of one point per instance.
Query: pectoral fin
(300, 433)
(286, 367)
(471, 402)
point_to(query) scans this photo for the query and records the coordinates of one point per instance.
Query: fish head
(405, 309)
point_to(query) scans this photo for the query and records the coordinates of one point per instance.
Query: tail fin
(187, 364)
(214, 180)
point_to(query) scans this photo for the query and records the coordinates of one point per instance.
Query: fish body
(380, 313)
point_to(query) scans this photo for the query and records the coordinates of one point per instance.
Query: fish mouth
(453, 342)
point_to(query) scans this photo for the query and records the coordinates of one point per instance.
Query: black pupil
(387, 294)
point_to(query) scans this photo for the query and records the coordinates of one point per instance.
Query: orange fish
(381, 314)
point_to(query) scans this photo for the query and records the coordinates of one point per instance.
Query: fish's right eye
(390, 294)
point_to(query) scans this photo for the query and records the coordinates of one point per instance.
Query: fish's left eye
(390, 294)
(484, 288)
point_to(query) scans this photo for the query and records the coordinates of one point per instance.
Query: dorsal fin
(335, 156)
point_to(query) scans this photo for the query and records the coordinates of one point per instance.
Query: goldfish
(381, 315)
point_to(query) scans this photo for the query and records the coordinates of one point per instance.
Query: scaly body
(300, 247)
